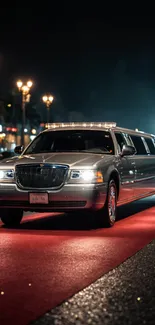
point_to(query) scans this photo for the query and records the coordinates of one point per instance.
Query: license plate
(38, 198)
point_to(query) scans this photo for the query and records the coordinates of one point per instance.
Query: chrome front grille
(40, 175)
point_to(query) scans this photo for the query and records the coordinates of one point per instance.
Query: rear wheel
(107, 215)
(11, 217)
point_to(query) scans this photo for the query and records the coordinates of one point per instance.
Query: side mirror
(128, 151)
(18, 150)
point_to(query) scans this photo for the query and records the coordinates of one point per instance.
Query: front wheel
(107, 215)
(11, 217)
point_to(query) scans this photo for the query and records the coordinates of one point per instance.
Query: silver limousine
(91, 167)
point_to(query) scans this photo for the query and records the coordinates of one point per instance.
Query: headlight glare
(87, 176)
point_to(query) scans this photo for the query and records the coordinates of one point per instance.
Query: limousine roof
(93, 125)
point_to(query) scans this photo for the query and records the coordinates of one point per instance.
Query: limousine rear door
(144, 166)
(149, 143)
(126, 167)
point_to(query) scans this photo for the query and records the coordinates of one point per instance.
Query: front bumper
(69, 197)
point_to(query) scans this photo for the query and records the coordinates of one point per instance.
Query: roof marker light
(79, 124)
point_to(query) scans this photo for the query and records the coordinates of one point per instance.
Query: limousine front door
(126, 167)
(138, 171)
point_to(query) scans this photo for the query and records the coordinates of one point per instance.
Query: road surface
(49, 258)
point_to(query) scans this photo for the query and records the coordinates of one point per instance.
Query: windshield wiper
(97, 152)
(67, 150)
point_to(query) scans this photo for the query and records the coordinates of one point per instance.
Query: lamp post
(24, 88)
(48, 101)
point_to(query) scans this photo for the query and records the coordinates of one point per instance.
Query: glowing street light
(19, 84)
(44, 99)
(48, 101)
(29, 83)
(24, 88)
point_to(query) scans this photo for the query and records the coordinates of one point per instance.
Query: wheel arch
(115, 176)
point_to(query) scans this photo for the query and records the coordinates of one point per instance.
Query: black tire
(107, 215)
(11, 217)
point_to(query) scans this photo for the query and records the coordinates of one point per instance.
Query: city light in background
(48, 101)
(24, 88)
(21, 129)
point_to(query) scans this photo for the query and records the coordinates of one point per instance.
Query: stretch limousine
(91, 167)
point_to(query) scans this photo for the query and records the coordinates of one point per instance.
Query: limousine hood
(72, 159)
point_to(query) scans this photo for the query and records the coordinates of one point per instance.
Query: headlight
(87, 176)
(6, 174)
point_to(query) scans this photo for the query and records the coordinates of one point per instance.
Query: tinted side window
(150, 145)
(120, 139)
(139, 145)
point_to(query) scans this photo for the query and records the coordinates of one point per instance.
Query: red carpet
(41, 268)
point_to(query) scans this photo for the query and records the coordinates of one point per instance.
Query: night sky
(103, 68)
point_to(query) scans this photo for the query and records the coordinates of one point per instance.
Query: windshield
(72, 141)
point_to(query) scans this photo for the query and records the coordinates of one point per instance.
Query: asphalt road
(126, 295)
(49, 259)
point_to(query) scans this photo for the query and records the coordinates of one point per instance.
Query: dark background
(102, 68)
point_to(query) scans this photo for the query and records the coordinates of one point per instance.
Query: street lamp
(24, 88)
(48, 101)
